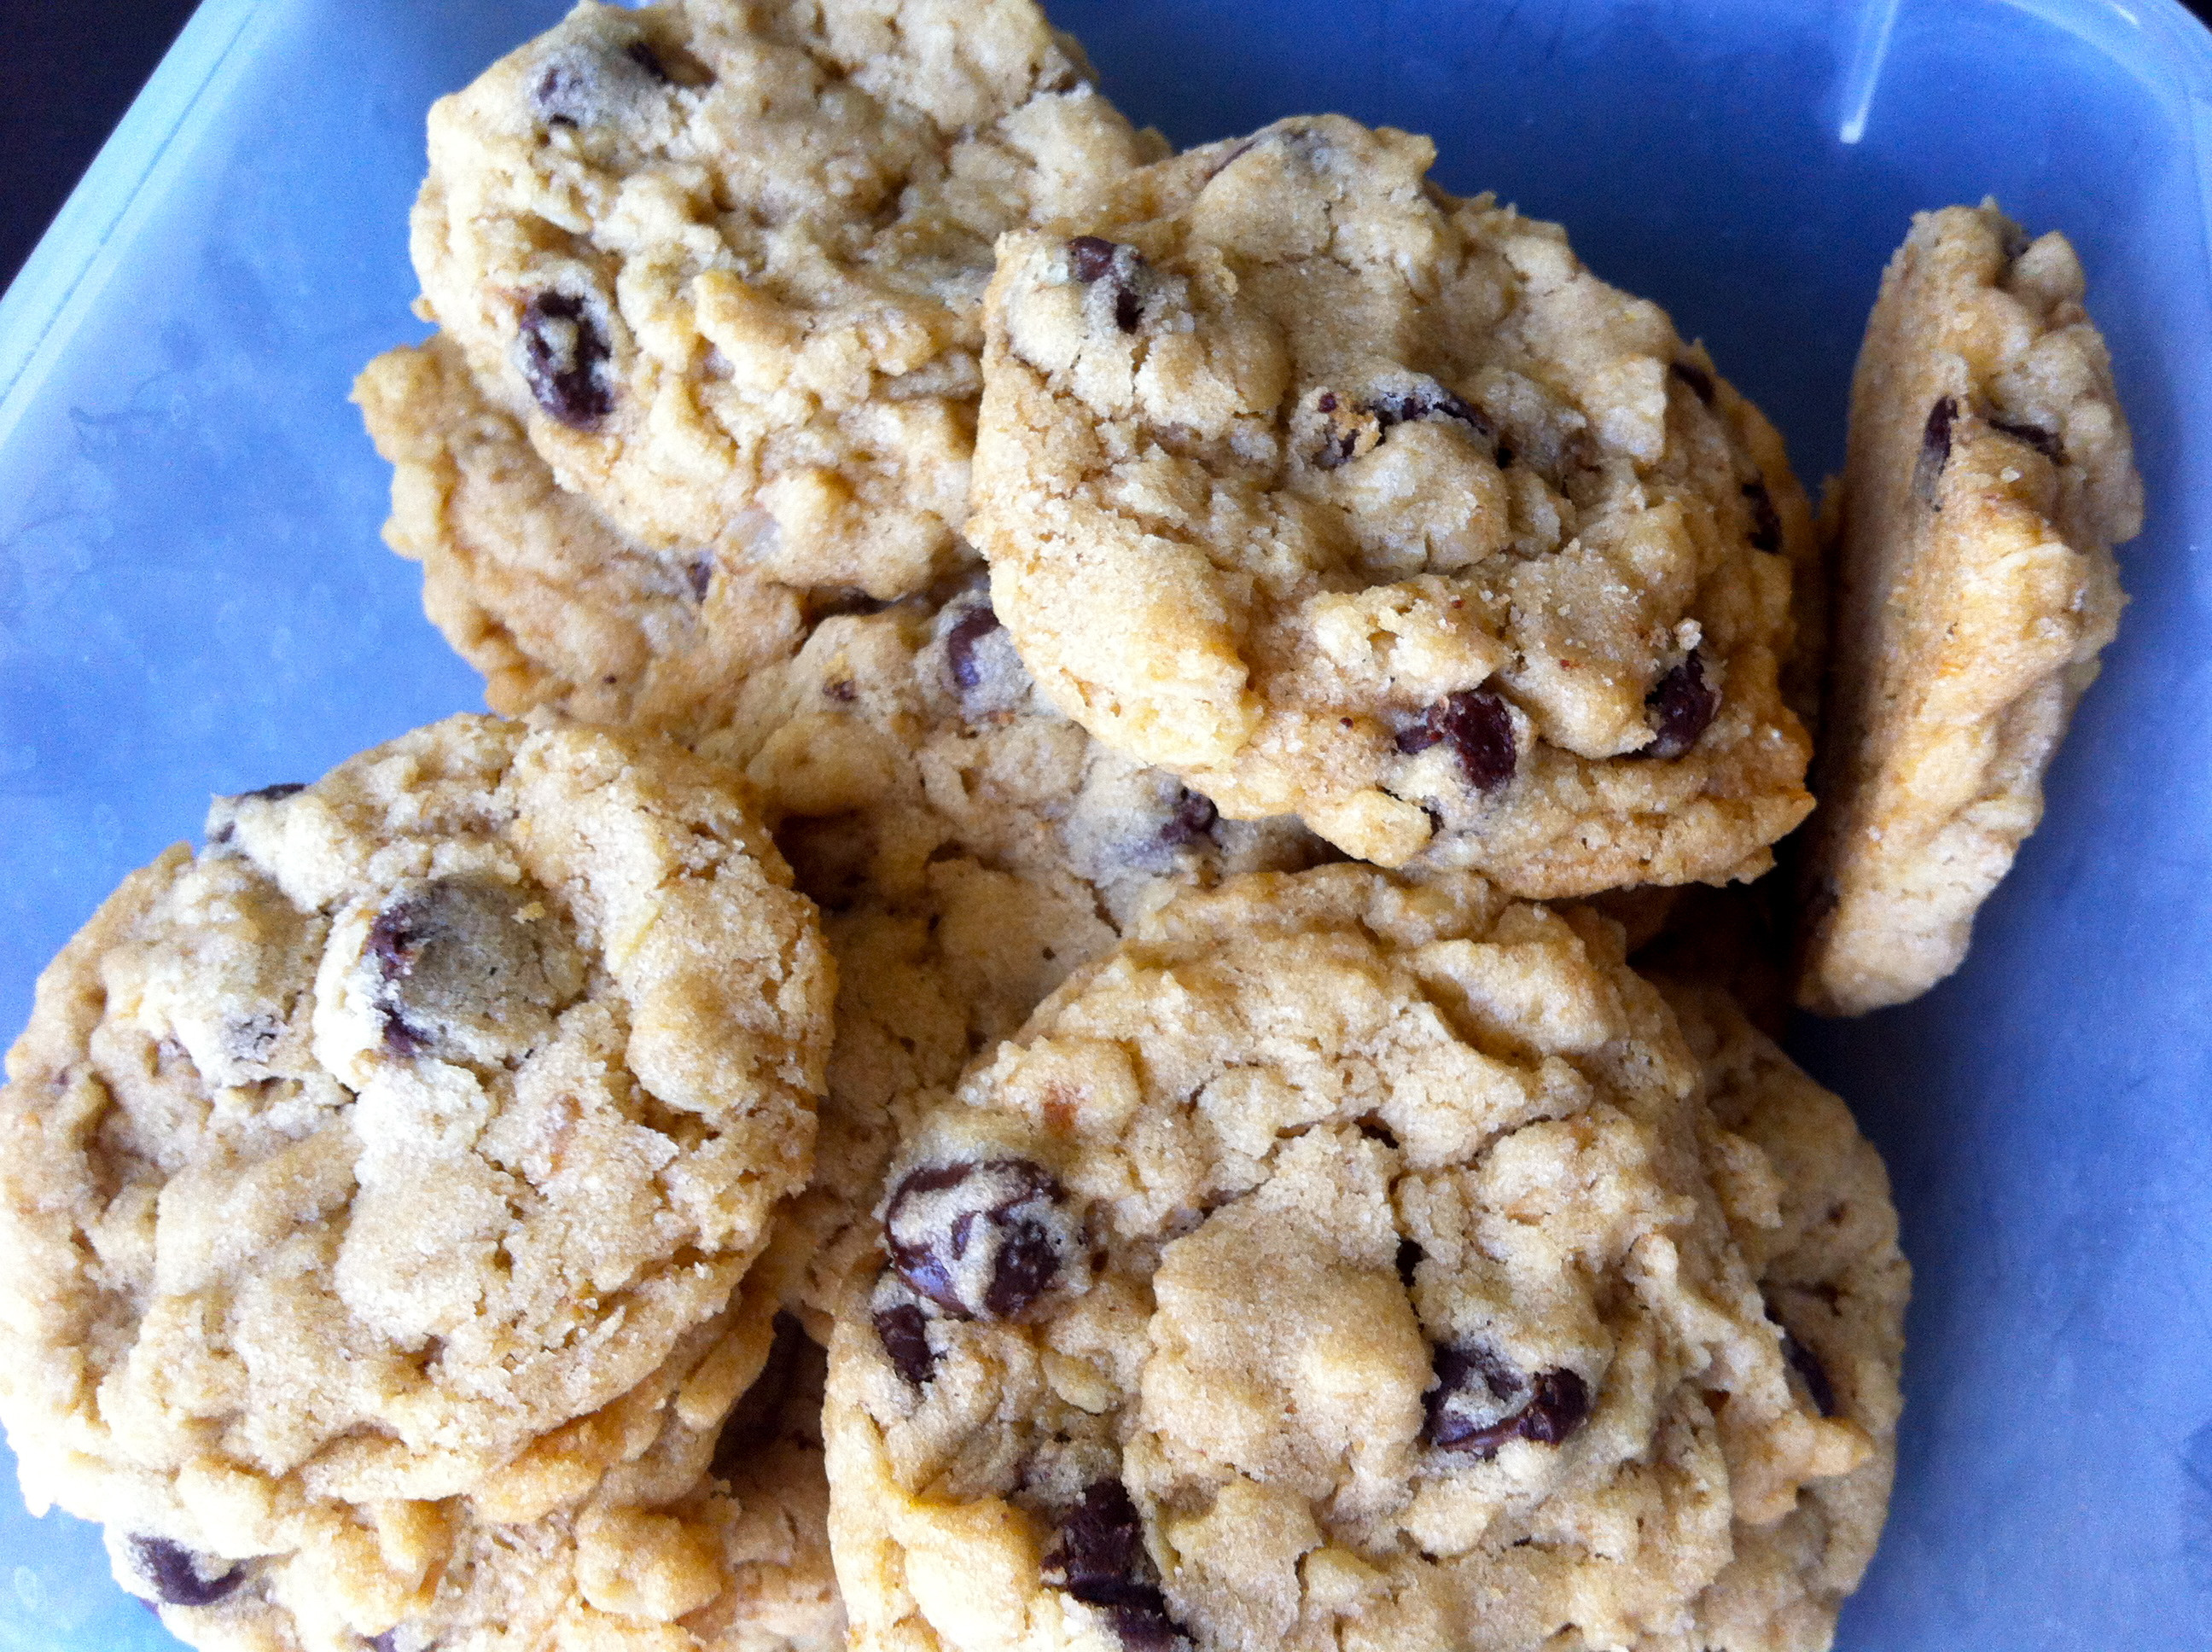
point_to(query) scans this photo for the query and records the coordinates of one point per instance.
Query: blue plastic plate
(193, 599)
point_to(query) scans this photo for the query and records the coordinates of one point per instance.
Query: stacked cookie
(1051, 680)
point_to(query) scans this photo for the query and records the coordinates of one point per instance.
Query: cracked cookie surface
(1990, 474)
(1334, 1264)
(722, 260)
(1344, 498)
(363, 1159)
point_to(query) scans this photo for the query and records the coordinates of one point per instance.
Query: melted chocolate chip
(1089, 256)
(1479, 729)
(982, 1240)
(172, 1572)
(758, 1417)
(1935, 448)
(2044, 442)
(1700, 382)
(701, 574)
(272, 794)
(1099, 1558)
(1765, 520)
(1682, 708)
(1398, 407)
(451, 960)
(1480, 1402)
(562, 352)
(971, 627)
(904, 1330)
(1093, 258)
(1192, 818)
(1815, 1376)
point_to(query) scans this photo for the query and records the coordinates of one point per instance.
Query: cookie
(709, 1534)
(969, 847)
(1808, 1201)
(1331, 1265)
(1990, 475)
(534, 587)
(370, 1156)
(1344, 498)
(722, 260)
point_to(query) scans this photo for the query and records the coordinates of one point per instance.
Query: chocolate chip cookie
(536, 588)
(1333, 1263)
(1990, 475)
(382, 1152)
(723, 261)
(1344, 498)
(969, 847)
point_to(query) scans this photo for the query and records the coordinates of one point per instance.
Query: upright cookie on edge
(1990, 473)
(381, 1152)
(1343, 498)
(1334, 1264)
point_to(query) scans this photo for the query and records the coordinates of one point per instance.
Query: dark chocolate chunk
(1099, 1558)
(982, 1240)
(1682, 708)
(971, 627)
(2044, 442)
(563, 354)
(177, 1576)
(1700, 382)
(903, 1329)
(1935, 448)
(1765, 520)
(1815, 1376)
(1192, 818)
(1480, 731)
(1089, 256)
(1480, 1402)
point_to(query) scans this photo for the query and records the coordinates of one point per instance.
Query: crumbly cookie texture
(1344, 498)
(1988, 477)
(710, 1534)
(969, 847)
(723, 259)
(556, 606)
(1808, 1202)
(1332, 1265)
(371, 1155)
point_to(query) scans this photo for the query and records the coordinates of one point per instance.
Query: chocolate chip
(1099, 1558)
(562, 354)
(1192, 818)
(983, 1241)
(701, 574)
(272, 794)
(1810, 1372)
(1935, 448)
(1700, 382)
(453, 965)
(2044, 442)
(903, 1329)
(177, 1576)
(1479, 728)
(1093, 258)
(971, 627)
(1089, 256)
(1480, 1402)
(1681, 708)
(1401, 406)
(1765, 520)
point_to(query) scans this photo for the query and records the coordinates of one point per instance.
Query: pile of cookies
(1070, 1006)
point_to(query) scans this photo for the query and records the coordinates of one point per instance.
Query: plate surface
(193, 599)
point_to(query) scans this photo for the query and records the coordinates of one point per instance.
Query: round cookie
(709, 1534)
(1331, 1265)
(1808, 1201)
(1342, 497)
(370, 1156)
(723, 259)
(1989, 475)
(969, 847)
(535, 588)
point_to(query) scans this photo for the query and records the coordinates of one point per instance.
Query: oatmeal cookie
(1331, 1265)
(722, 259)
(1988, 477)
(969, 847)
(1344, 498)
(535, 588)
(371, 1156)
